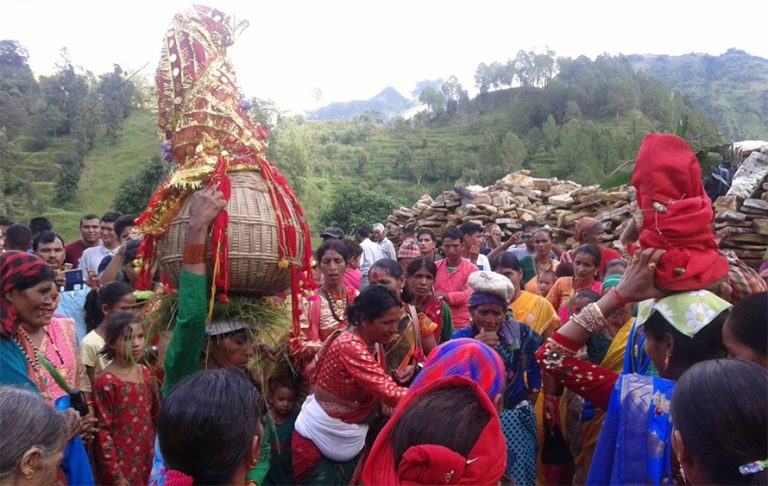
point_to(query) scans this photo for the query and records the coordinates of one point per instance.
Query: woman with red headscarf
(464, 380)
(589, 231)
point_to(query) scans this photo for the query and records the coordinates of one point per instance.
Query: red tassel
(219, 238)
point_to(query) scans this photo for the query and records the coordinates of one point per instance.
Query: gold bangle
(194, 254)
(590, 318)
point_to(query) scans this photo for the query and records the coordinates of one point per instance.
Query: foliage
(134, 194)
(356, 208)
(117, 96)
(71, 165)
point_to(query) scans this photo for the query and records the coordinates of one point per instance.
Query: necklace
(41, 382)
(332, 304)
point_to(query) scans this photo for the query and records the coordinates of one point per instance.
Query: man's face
(52, 253)
(426, 244)
(475, 240)
(90, 231)
(378, 235)
(129, 233)
(451, 249)
(108, 236)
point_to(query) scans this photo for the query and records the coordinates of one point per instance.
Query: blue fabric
(635, 358)
(520, 433)
(635, 444)
(75, 464)
(157, 476)
(13, 367)
(519, 358)
(72, 305)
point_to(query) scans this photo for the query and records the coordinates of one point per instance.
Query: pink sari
(565, 309)
(59, 347)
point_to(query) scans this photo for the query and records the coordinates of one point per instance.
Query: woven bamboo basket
(253, 240)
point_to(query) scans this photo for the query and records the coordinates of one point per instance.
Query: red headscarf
(583, 225)
(677, 214)
(15, 267)
(434, 464)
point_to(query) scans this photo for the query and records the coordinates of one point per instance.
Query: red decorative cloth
(177, 478)
(677, 214)
(435, 464)
(15, 267)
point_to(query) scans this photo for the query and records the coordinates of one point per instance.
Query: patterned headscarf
(583, 226)
(468, 358)
(15, 267)
(688, 312)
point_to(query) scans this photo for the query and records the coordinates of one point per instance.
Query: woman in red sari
(348, 388)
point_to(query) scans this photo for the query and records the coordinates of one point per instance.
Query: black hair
(45, 274)
(388, 265)
(469, 228)
(131, 250)
(87, 217)
(354, 248)
(506, 260)
(565, 269)
(453, 234)
(123, 222)
(617, 262)
(586, 294)
(419, 263)
(417, 425)
(530, 224)
(747, 322)
(110, 217)
(115, 328)
(409, 230)
(215, 411)
(282, 380)
(364, 232)
(371, 304)
(336, 245)
(5, 221)
(548, 272)
(591, 250)
(110, 294)
(547, 231)
(44, 238)
(40, 224)
(729, 429)
(426, 231)
(18, 237)
(705, 344)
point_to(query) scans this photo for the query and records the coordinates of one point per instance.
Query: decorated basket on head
(259, 243)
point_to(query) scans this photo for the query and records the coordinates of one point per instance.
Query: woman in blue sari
(680, 330)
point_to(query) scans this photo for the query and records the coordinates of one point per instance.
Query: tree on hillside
(117, 96)
(455, 95)
(134, 193)
(356, 208)
(18, 88)
(513, 153)
(71, 165)
(434, 100)
(65, 92)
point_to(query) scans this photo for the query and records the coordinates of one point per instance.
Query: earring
(666, 362)
(29, 474)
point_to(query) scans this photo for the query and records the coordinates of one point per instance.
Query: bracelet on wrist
(194, 253)
(590, 318)
(618, 296)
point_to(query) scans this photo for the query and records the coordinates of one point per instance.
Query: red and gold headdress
(209, 135)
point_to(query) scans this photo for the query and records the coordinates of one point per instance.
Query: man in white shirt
(371, 254)
(92, 257)
(474, 235)
(387, 248)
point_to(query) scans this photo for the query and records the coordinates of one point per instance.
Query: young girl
(545, 282)
(99, 306)
(281, 420)
(125, 406)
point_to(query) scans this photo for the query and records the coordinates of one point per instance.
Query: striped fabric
(464, 357)
(15, 267)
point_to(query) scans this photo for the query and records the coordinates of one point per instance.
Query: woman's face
(34, 306)
(379, 276)
(514, 276)
(487, 316)
(382, 329)
(583, 266)
(657, 352)
(426, 244)
(46, 473)
(125, 303)
(129, 270)
(332, 267)
(131, 343)
(421, 283)
(594, 236)
(542, 243)
(739, 350)
(233, 351)
(546, 281)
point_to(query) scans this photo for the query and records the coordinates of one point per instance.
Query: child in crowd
(99, 306)
(125, 406)
(615, 267)
(281, 420)
(545, 282)
(353, 277)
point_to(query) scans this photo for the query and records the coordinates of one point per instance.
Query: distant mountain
(732, 89)
(389, 103)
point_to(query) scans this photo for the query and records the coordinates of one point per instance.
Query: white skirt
(336, 439)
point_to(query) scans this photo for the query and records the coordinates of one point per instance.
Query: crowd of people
(462, 361)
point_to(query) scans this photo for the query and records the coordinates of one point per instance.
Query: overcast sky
(354, 49)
